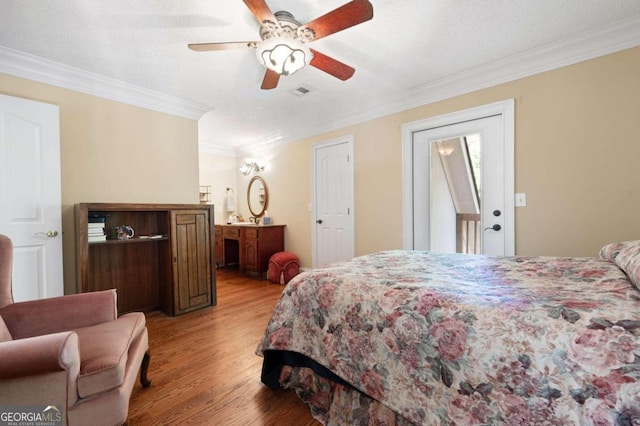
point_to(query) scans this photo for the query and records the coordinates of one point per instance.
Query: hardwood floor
(204, 370)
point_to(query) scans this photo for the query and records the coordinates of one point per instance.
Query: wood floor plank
(204, 370)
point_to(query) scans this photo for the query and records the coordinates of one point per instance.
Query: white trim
(222, 150)
(503, 108)
(348, 139)
(32, 67)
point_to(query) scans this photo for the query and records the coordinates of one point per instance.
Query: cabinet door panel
(251, 254)
(201, 288)
(192, 269)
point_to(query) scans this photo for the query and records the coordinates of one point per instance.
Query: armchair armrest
(63, 313)
(40, 355)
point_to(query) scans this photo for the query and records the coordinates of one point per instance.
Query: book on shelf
(95, 225)
(96, 218)
(96, 231)
(97, 238)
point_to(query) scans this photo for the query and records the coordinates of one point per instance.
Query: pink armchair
(71, 352)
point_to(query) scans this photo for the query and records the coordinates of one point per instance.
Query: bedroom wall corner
(220, 172)
(288, 178)
(576, 157)
(114, 152)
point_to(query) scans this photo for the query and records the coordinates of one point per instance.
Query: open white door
(333, 226)
(30, 201)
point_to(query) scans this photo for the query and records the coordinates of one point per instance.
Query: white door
(493, 126)
(333, 228)
(30, 203)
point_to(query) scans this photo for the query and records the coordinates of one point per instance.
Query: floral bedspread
(462, 339)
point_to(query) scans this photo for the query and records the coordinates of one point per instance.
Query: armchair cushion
(37, 368)
(40, 355)
(103, 352)
(63, 313)
(5, 335)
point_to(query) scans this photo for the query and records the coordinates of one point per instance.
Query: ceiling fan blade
(206, 47)
(346, 16)
(270, 80)
(261, 11)
(331, 66)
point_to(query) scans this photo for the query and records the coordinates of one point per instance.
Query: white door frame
(503, 108)
(348, 139)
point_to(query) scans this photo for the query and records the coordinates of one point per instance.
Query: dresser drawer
(231, 233)
(251, 233)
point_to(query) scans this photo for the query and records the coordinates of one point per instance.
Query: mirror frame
(253, 180)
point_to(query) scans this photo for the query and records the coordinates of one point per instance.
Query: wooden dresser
(248, 246)
(168, 264)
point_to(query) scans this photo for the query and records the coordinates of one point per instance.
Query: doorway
(332, 193)
(458, 182)
(30, 195)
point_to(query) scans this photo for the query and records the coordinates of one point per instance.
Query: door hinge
(348, 211)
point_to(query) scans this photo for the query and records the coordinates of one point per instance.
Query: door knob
(497, 213)
(495, 227)
(319, 221)
(51, 233)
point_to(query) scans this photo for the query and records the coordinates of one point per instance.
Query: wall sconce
(251, 166)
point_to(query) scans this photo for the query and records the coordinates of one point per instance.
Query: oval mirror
(257, 196)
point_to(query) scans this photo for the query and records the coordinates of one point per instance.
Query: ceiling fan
(283, 49)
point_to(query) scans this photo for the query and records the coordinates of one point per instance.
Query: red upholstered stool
(283, 264)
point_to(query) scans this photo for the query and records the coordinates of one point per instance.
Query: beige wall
(288, 179)
(577, 147)
(576, 158)
(219, 172)
(114, 152)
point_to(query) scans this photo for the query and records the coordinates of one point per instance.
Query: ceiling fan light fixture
(284, 55)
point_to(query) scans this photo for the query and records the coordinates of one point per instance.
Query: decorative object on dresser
(166, 265)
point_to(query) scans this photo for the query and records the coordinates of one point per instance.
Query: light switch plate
(521, 199)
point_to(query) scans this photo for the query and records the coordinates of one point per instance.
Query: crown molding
(600, 41)
(621, 35)
(32, 67)
(222, 150)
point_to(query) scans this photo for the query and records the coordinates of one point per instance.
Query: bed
(409, 337)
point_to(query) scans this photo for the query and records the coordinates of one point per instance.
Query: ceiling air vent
(302, 90)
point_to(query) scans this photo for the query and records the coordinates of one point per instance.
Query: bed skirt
(332, 401)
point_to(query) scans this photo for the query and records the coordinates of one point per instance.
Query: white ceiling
(412, 52)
